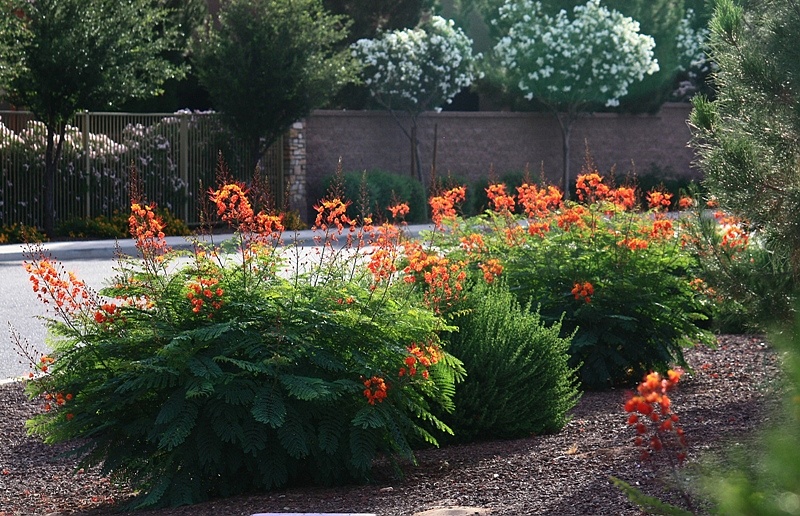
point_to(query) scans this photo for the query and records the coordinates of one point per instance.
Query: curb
(110, 249)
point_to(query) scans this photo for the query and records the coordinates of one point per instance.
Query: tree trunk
(565, 133)
(565, 123)
(52, 156)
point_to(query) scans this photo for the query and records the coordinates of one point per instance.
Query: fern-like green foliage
(518, 380)
(187, 400)
(650, 504)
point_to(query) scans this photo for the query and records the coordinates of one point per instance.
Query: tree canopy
(748, 139)
(415, 70)
(268, 63)
(574, 64)
(62, 56)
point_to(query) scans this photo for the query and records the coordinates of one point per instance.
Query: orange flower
(491, 269)
(572, 217)
(657, 199)
(443, 206)
(633, 243)
(652, 401)
(332, 213)
(623, 197)
(399, 210)
(54, 285)
(662, 229)
(473, 243)
(375, 390)
(502, 201)
(590, 188)
(538, 202)
(583, 291)
(148, 231)
(685, 202)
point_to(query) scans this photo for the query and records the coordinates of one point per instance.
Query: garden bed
(728, 395)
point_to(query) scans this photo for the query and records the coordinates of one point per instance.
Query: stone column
(296, 168)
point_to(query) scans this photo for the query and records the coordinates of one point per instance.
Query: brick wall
(469, 143)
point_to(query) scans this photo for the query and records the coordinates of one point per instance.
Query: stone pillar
(296, 167)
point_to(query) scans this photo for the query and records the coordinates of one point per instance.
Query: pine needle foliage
(519, 381)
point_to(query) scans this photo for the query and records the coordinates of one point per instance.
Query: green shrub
(228, 374)
(370, 192)
(20, 233)
(518, 381)
(751, 283)
(620, 280)
(116, 226)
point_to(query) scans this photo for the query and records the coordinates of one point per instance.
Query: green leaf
(268, 407)
(305, 388)
(363, 444)
(650, 504)
(204, 367)
(293, 438)
(368, 417)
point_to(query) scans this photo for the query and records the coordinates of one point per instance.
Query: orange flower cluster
(148, 231)
(59, 398)
(491, 269)
(420, 358)
(734, 238)
(623, 197)
(657, 200)
(583, 291)
(383, 260)
(233, 206)
(685, 202)
(537, 202)
(375, 390)
(333, 213)
(590, 188)
(652, 406)
(444, 279)
(203, 293)
(502, 201)
(443, 207)
(633, 243)
(399, 211)
(662, 229)
(572, 217)
(107, 315)
(44, 362)
(473, 244)
(53, 284)
(269, 226)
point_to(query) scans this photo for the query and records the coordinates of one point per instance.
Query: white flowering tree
(571, 65)
(417, 70)
(695, 65)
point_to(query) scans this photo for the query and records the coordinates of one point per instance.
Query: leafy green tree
(571, 66)
(372, 16)
(268, 63)
(416, 70)
(61, 56)
(748, 139)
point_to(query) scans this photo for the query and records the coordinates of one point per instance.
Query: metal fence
(173, 153)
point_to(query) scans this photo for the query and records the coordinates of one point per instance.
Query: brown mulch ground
(728, 395)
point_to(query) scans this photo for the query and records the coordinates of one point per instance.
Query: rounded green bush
(518, 380)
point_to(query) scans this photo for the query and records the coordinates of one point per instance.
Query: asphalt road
(20, 308)
(92, 262)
